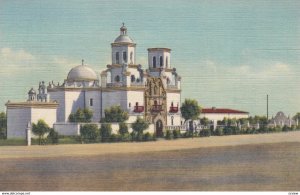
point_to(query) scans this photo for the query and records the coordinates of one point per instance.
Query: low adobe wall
(74, 128)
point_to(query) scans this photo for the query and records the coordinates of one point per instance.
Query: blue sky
(229, 53)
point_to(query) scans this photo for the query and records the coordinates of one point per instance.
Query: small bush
(204, 133)
(115, 138)
(285, 128)
(126, 137)
(123, 128)
(169, 135)
(148, 137)
(89, 133)
(105, 132)
(218, 132)
(176, 134)
(53, 136)
(227, 130)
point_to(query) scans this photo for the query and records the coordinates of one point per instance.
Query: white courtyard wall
(17, 120)
(221, 116)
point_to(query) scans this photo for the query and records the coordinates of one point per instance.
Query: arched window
(172, 104)
(155, 102)
(137, 104)
(161, 62)
(154, 62)
(132, 78)
(155, 90)
(125, 56)
(117, 78)
(131, 57)
(117, 58)
(129, 105)
(172, 120)
(167, 62)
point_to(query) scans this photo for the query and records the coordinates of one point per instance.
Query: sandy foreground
(161, 145)
(230, 163)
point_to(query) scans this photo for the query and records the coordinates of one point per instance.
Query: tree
(89, 132)
(53, 136)
(115, 114)
(204, 121)
(105, 132)
(3, 123)
(190, 110)
(297, 117)
(123, 128)
(140, 125)
(81, 116)
(40, 129)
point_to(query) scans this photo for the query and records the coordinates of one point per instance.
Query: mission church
(153, 93)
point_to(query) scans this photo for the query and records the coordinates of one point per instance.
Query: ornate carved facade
(156, 104)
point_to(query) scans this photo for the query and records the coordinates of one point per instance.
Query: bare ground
(247, 162)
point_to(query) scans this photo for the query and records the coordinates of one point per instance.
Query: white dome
(123, 39)
(82, 73)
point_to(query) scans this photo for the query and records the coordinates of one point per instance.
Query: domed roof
(123, 37)
(82, 73)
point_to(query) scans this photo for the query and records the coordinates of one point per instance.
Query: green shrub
(168, 135)
(89, 133)
(218, 131)
(126, 137)
(187, 134)
(123, 128)
(176, 134)
(115, 138)
(53, 136)
(105, 132)
(285, 128)
(227, 130)
(204, 133)
(148, 137)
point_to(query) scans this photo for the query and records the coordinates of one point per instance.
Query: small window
(167, 62)
(154, 62)
(117, 58)
(132, 78)
(137, 104)
(117, 78)
(131, 57)
(129, 105)
(161, 62)
(91, 102)
(125, 56)
(172, 120)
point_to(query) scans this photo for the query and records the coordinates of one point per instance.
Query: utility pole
(267, 107)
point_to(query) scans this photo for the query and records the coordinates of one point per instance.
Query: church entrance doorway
(159, 128)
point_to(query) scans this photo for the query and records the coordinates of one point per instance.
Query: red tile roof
(222, 111)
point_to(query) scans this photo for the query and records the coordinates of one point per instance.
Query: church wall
(95, 105)
(47, 114)
(73, 101)
(114, 73)
(113, 98)
(59, 96)
(17, 120)
(175, 98)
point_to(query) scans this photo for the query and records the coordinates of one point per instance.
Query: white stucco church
(152, 93)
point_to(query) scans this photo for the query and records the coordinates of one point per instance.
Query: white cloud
(14, 61)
